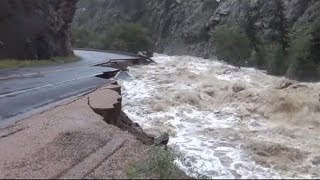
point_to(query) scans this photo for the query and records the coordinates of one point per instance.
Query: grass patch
(159, 165)
(14, 63)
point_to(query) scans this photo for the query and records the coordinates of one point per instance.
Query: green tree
(278, 66)
(128, 37)
(315, 43)
(304, 56)
(251, 17)
(280, 26)
(310, 66)
(280, 39)
(81, 38)
(232, 44)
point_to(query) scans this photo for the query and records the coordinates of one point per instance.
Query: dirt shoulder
(68, 141)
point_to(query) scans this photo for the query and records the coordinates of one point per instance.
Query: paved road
(23, 90)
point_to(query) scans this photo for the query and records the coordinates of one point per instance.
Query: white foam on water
(210, 140)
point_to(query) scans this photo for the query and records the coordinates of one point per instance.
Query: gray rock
(237, 88)
(316, 160)
(36, 29)
(185, 26)
(283, 84)
(163, 139)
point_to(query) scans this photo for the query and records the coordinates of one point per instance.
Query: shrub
(128, 37)
(278, 66)
(260, 57)
(232, 44)
(124, 37)
(302, 64)
(160, 164)
(80, 37)
(280, 26)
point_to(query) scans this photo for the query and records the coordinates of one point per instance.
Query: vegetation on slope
(122, 37)
(262, 36)
(281, 53)
(160, 165)
(232, 44)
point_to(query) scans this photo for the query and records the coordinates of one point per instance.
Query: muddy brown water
(227, 122)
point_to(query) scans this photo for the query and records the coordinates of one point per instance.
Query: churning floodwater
(221, 119)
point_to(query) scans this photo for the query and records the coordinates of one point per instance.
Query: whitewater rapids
(227, 122)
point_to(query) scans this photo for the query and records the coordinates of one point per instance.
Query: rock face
(96, 15)
(35, 29)
(185, 26)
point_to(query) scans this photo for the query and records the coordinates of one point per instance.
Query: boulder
(285, 83)
(316, 161)
(237, 88)
(163, 139)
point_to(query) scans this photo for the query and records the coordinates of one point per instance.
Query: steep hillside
(98, 15)
(185, 26)
(35, 29)
(274, 29)
(177, 23)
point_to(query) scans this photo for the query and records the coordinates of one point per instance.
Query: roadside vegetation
(126, 37)
(295, 55)
(14, 63)
(160, 165)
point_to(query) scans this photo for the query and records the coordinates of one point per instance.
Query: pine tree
(280, 37)
(280, 26)
(315, 44)
(251, 17)
(307, 58)
(310, 66)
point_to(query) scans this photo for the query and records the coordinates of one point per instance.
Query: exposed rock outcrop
(283, 84)
(184, 27)
(36, 29)
(96, 15)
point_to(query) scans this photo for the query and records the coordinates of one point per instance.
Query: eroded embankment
(79, 138)
(228, 122)
(114, 115)
(70, 141)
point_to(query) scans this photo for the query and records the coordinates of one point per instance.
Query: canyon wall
(36, 29)
(185, 26)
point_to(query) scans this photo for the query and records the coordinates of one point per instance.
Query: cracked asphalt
(25, 89)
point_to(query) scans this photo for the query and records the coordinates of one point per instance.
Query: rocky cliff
(35, 29)
(185, 26)
(98, 15)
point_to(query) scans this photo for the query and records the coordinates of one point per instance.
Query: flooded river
(228, 122)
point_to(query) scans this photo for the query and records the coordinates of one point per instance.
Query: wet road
(23, 90)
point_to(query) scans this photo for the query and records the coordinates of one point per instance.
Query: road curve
(26, 89)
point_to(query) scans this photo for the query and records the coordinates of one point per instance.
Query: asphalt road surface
(23, 90)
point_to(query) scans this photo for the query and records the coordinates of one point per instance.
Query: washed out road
(23, 90)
